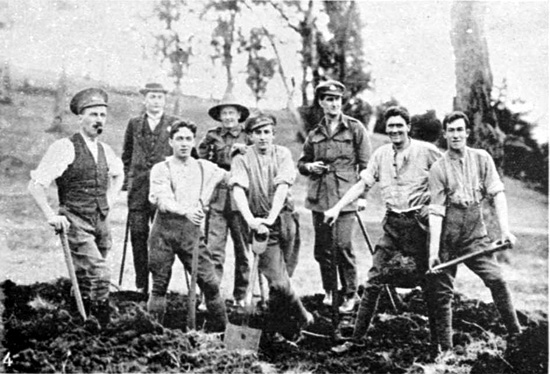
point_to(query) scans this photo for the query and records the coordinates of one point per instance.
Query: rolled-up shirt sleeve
(370, 174)
(58, 157)
(438, 197)
(493, 183)
(239, 173)
(160, 192)
(286, 173)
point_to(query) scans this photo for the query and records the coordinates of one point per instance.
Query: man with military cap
(218, 146)
(334, 153)
(88, 177)
(145, 144)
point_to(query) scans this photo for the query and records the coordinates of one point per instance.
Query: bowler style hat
(152, 87)
(88, 98)
(330, 87)
(259, 121)
(228, 100)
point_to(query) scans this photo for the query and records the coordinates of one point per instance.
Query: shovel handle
(72, 273)
(496, 246)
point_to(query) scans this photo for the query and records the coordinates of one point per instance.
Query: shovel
(192, 297)
(244, 337)
(495, 247)
(72, 272)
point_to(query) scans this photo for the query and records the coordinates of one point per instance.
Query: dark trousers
(140, 221)
(90, 240)
(283, 301)
(336, 238)
(403, 239)
(219, 223)
(172, 236)
(464, 232)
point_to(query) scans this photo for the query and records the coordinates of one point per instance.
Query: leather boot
(367, 309)
(503, 301)
(217, 314)
(156, 306)
(101, 310)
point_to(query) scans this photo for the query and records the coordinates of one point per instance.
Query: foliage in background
(260, 69)
(173, 48)
(524, 158)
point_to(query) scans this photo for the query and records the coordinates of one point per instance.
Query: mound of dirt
(43, 333)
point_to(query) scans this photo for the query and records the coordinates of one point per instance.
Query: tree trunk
(474, 80)
(5, 84)
(58, 124)
(228, 56)
(308, 32)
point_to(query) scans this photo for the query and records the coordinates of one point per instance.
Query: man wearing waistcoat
(145, 144)
(88, 177)
(218, 145)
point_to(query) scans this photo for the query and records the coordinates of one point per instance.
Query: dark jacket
(346, 153)
(141, 150)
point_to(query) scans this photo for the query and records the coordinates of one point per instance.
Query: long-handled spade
(72, 273)
(244, 337)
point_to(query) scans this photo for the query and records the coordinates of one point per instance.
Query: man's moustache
(98, 127)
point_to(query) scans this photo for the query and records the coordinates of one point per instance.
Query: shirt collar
(154, 118)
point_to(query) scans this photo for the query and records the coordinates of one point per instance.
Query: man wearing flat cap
(88, 177)
(145, 144)
(334, 153)
(261, 177)
(219, 144)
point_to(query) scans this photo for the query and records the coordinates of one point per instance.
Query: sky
(406, 42)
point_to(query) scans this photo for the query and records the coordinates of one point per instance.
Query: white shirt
(153, 120)
(61, 154)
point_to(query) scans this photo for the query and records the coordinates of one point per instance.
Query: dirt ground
(30, 251)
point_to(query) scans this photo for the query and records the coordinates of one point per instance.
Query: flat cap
(330, 87)
(259, 121)
(153, 87)
(88, 98)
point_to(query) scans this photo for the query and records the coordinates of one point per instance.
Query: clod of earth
(43, 333)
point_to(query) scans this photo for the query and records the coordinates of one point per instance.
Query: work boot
(218, 314)
(101, 310)
(156, 306)
(503, 301)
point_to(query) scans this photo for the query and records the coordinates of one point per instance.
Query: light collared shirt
(176, 185)
(463, 180)
(403, 175)
(61, 154)
(261, 174)
(153, 120)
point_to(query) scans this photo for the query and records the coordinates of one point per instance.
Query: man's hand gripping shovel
(72, 273)
(244, 337)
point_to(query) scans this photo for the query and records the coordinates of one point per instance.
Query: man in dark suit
(145, 144)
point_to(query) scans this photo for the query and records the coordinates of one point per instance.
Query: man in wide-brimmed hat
(218, 146)
(145, 144)
(88, 176)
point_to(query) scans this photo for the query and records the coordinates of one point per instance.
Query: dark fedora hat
(228, 100)
(152, 87)
(88, 98)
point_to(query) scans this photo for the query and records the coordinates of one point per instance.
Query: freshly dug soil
(43, 333)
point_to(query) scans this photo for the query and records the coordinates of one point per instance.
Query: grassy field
(31, 252)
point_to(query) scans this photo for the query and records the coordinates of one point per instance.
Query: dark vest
(82, 188)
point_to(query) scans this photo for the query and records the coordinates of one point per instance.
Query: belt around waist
(464, 205)
(408, 214)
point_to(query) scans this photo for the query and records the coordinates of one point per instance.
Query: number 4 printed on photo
(7, 361)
